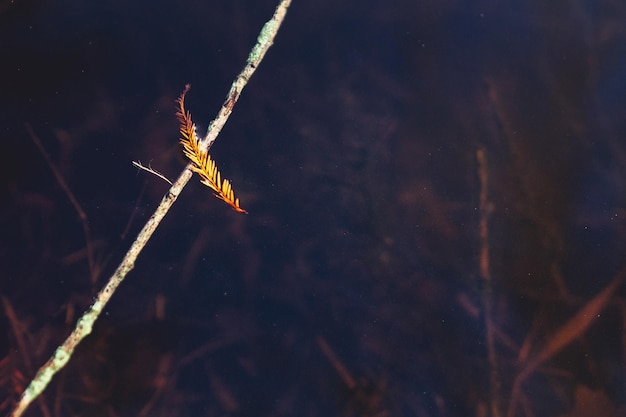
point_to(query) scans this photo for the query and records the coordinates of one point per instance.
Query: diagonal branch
(85, 324)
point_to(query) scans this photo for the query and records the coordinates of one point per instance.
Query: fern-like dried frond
(211, 177)
(189, 137)
(202, 164)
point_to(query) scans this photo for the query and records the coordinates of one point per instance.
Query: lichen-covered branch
(85, 324)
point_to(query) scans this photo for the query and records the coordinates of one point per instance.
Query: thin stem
(79, 210)
(486, 207)
(85, 324)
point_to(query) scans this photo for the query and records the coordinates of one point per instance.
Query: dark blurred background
(353, 287)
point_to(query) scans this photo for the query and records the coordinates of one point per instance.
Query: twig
(152, 171)
(66, 189)
(566, 334)
(133, 213)
(85, 324)
(486, 208)
(22, 345)
(341, 369)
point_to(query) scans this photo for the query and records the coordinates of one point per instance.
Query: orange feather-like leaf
(202, 164)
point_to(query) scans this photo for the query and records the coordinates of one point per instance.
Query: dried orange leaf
(202, 164)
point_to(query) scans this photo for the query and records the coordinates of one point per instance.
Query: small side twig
(85, 324)
(152, 171)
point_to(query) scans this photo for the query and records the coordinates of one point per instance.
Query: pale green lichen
(61, 356)
(267, 34)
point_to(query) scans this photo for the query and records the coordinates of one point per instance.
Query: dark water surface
(354, 285)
